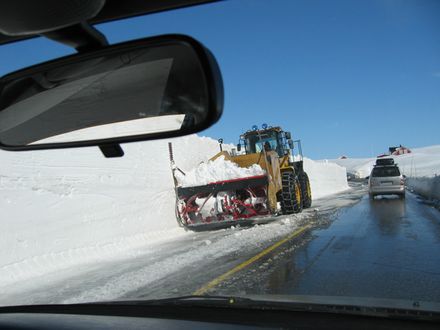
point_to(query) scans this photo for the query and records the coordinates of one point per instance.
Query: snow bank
(360, 167)
(427, 187)
(216, 170)
(325, 178)
(63, 208)
(422, 162)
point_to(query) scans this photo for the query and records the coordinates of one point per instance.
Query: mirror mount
(111, 150)
(82, 36)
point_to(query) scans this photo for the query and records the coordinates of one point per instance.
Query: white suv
(386, 180)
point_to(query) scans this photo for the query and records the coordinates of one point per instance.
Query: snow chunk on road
(217, 170)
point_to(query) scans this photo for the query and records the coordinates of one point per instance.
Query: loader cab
(269, 139)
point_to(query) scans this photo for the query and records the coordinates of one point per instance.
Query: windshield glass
(385, 171)
(258, 142)
(198, 215)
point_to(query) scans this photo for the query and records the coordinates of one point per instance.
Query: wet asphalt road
(386, 248)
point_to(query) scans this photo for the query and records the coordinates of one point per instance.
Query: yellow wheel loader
(283, 189)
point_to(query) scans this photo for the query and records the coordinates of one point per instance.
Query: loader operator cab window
(267, 145)
(267, 141)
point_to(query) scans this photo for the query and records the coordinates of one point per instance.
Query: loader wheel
(290, 196)
(306, 192)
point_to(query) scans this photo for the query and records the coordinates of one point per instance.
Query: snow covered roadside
(360, 167)
(421, 167)
(426, 187)
(325, 178)
(422, 162)
(63, 208)
(66, 207)
(228, 242)
(422, 171)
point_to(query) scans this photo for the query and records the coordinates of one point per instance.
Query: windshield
(257, 142)
(385, 171)
(195, 216)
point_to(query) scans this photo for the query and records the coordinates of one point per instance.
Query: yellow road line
(248, 262)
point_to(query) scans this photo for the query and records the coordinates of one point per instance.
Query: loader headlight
(264, 126)
(255, 127)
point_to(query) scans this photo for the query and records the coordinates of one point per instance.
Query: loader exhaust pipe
(220, 142)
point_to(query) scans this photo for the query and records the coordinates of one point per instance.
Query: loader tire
(290, 196)
(306, 192)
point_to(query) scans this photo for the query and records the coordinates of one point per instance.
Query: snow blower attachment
(266, 182)
(218, 203)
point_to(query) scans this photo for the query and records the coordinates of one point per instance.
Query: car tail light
(402, 182)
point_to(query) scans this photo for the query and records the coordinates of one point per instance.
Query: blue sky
(346, 77)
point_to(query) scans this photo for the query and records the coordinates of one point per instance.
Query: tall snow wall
(65, 207)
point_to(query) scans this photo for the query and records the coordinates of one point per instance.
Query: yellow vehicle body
(269, 162)
(272, 164)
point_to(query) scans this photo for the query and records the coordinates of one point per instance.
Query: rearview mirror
(291, 144)
(139, 90)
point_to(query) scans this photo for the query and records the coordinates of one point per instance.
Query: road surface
(345, 245)
(387, 248)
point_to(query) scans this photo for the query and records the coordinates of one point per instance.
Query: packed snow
(64, 208)
(216, 170)
(325, 178)
(421, 162)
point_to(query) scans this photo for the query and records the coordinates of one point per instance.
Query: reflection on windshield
(134, 127)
